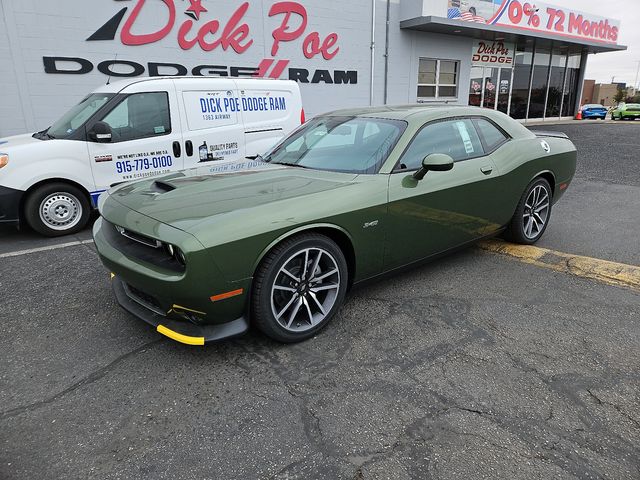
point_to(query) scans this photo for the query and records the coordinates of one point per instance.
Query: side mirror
(100, 132)
(436, 162)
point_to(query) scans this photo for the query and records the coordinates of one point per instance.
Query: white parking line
(44, 249)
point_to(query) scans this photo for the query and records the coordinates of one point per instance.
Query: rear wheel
(299, 287)
(532, 214)
(57, 209)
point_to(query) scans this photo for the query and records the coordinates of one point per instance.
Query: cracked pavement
(475, 366)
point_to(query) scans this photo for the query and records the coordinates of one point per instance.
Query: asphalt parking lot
(475, 366)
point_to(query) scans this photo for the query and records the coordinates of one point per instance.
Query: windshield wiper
(297, 165)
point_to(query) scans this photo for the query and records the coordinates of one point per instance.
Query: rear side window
(456, 138)
(141, 115)
(493, 137)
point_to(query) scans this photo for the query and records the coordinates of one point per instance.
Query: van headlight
(4, 160)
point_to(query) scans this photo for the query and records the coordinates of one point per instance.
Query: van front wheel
(57, 209)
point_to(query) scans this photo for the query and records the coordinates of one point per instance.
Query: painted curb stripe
(604, 271)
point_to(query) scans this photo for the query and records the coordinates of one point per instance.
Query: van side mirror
(436, 162)
(100, 133)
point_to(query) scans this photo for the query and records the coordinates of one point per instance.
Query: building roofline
(490, 32)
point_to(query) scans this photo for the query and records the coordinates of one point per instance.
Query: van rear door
(146, 136)
(211, 120)
(271, 109)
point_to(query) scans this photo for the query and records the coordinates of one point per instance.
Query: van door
(211, 121)
(146, 138)
(270, 111)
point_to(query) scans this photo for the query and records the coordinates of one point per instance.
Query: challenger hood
(185, 199)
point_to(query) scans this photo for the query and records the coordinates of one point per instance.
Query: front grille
(144, 299)
(140, 247)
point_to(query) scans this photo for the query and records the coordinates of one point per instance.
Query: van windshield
(75, 118)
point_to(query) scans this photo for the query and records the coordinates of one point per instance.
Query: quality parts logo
(210, 34)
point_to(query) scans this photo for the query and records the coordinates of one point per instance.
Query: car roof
(419, 114)
(412, 112)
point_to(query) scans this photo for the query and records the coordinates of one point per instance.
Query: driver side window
(457, 138)
(141, 115)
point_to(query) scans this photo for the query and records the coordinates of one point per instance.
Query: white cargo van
(137, 129)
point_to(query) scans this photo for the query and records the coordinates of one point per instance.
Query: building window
(437, 79)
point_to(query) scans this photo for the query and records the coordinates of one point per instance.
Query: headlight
(4, 160)
(175, 253)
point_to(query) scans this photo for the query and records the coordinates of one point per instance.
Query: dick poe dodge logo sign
(198, 28)
(492, 54)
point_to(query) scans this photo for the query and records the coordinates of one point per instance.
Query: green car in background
(626, 111)
(350, 195)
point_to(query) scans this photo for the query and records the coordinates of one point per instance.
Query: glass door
(490, 87)
(504, 89)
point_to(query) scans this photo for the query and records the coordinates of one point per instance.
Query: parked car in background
(594, 111)
(137, 129)
(626, 111)
(347, 197)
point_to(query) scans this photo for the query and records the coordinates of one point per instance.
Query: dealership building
(522, 59)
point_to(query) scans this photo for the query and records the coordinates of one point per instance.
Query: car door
(211, 121)
(445, 209)
(145, 134)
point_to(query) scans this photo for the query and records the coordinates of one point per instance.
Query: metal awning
(494, 32)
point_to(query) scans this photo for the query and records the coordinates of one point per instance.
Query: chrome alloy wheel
(305, 289)
(60, 211)
(536, 211)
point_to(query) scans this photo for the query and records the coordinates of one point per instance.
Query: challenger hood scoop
(187, 198)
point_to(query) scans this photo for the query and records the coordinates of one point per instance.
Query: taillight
(302, 118)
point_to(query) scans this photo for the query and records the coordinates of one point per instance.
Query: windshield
(340, 144)
(79, 114)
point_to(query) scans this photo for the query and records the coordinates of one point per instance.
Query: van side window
(492, 136)
(456, 138)
(141, 115)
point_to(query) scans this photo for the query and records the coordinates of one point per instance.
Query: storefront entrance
(491, 87)
(542, 83)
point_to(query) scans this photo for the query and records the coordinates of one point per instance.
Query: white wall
(30, 99)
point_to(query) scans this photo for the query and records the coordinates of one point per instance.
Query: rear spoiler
(540, 133)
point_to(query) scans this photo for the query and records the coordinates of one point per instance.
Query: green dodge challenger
(277, 241)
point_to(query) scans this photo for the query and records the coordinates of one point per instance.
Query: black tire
(70, 200)
(268, 273)
(515, 231)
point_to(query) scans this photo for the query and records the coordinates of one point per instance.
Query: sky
(622, 65)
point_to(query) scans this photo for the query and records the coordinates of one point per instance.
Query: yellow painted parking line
(611, 273)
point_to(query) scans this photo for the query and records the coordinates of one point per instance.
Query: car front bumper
(10, 199)
(196, 306)
(182, 331)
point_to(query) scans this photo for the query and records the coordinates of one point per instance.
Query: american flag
(456, 14)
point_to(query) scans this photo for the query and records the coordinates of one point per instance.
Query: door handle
(487, 170)
(189, 148)
(176, 149)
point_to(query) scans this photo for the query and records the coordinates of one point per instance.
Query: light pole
(636, 87)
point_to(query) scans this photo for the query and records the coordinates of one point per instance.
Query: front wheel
(532, 213)
(299, 287)
(57, 209)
